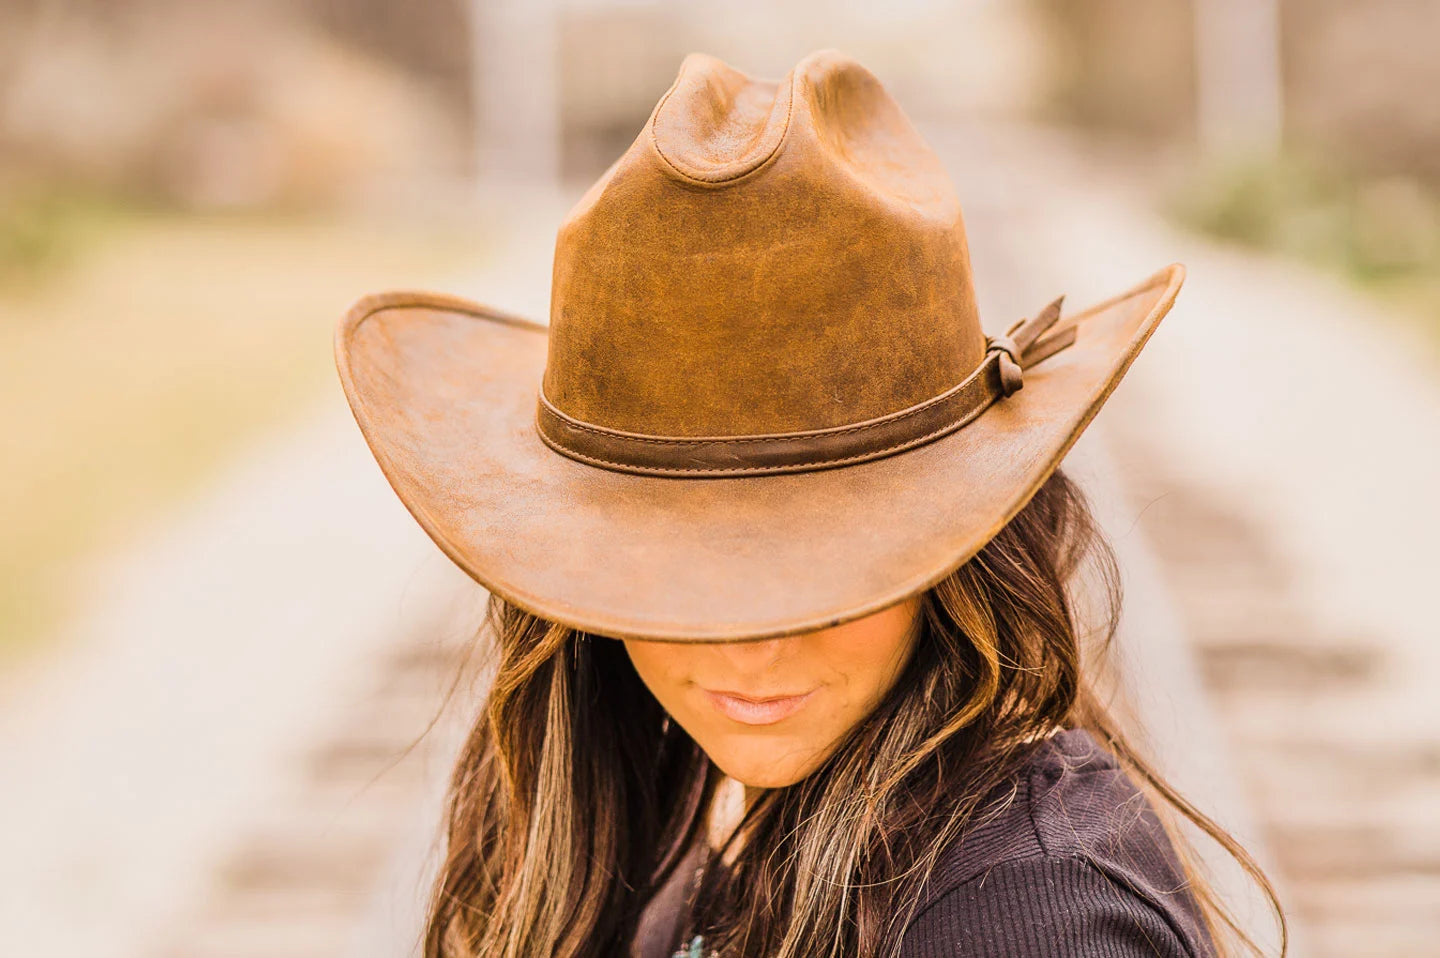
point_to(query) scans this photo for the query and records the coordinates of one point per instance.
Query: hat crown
(765, 258)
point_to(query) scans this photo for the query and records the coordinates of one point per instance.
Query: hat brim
(444, 391)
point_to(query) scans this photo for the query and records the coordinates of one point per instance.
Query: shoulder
(1070, 860)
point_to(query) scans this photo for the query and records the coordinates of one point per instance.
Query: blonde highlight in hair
(575, 797)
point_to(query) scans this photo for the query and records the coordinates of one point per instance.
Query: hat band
(997, 376)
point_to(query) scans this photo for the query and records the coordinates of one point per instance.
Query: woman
(787, 586)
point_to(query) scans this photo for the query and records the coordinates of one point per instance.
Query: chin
(765, 779)
(762, 771)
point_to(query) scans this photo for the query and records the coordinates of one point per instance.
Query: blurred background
(222, 640)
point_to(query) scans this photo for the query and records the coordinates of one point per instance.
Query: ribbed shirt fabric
(1073, 863)
(1076, 864)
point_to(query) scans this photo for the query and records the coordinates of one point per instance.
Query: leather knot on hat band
(1020, 347)
(999, 375)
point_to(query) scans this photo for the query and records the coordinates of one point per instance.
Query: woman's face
(768, 712)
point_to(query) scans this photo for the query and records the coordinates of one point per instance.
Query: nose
(753, 657)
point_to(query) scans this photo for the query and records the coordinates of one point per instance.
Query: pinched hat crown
(774, 277)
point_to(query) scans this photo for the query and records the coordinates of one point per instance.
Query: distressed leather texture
(764, 258)
(999, 374)
(767, 259)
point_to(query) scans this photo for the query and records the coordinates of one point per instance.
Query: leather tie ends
(1021, 346)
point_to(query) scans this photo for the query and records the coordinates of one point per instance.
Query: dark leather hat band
(998, 375)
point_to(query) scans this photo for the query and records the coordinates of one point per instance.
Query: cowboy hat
(764, 403)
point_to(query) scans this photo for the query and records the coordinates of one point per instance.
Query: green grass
(1383, 234)
(43, 228)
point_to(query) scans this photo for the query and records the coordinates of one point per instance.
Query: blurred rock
(209, 107)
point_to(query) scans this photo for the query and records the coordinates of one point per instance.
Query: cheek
(870, 669)
(670, 677)
(662, 671)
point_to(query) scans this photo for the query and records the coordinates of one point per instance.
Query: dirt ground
(137, 363)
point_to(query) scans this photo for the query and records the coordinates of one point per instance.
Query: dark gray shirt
(1074, 865)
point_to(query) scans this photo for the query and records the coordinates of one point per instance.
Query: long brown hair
(575, 797)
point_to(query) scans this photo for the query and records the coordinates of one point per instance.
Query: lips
(749, 710)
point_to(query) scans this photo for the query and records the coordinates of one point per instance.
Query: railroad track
(308, 877)
(1346, 801)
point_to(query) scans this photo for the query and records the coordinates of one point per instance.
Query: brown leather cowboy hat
(764, 403)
